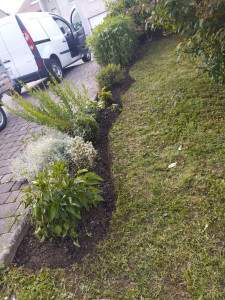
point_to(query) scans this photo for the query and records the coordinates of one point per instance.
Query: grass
(166, 239)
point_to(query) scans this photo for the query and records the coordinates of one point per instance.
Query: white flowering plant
(52, 147)
(83, 154)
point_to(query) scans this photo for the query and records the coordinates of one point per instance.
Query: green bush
(58, 201)
(56, 107)
(109, 76)
(202, 24)
(114, 40)
(85, 125)
(105, 97)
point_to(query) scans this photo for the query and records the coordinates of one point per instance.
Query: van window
(49, 25)
(65, 29)
(76, 20)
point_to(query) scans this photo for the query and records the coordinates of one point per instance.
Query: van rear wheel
(55, 69)
(3, 119)
(86, 57)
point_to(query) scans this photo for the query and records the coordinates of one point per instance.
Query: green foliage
(202, 24)
(138, 10)
(58, 201)
(105, 96)
(109, 76)
(85, 126)
(114, 40)
(56, 107)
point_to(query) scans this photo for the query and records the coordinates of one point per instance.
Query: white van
(34, 44)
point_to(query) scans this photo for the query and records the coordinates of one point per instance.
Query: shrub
(202, 24)
(47, 149)
(55, 113)
(40, 154)
(109, 76)
(83, 154)
(114, 40)
(85, 126)
(105, 97)
(58, 201)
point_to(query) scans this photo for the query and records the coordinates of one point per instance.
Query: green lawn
(166, 239)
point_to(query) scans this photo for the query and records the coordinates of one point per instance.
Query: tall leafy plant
(55, 107)
(58, 200)
(114, 40)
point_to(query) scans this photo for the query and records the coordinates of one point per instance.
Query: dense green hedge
(114, 40)
(201, 23)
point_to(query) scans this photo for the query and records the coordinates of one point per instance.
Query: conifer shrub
(109, 76)
(105, 97)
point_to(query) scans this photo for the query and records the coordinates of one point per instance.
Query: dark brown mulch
(58, 253)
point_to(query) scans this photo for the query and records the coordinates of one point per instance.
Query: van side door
(58, 40)
(76, 22)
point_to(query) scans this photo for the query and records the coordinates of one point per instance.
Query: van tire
(3, 119)
(55, 69)
(86, 57)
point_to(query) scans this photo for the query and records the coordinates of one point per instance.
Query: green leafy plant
(56, 107)
(109, 76)
(85, 126)
(202, 24)
(105, 96)
(114, 40)
(58, 201)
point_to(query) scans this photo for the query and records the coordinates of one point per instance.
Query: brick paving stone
(6, 178)
(5, 170)
(6, 187)
(3, 198)
(4, 163)
(16, 186)
(13, 196)
(7, 210)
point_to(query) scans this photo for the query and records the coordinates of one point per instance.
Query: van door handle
(6, 61)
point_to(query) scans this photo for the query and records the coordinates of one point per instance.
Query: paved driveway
(11, 232)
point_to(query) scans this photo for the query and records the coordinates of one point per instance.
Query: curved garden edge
(31, 253)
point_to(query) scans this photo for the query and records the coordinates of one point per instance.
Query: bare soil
(58, 253)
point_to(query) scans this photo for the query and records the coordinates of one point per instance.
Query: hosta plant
(58, 200)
